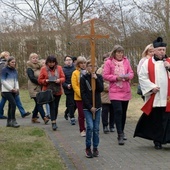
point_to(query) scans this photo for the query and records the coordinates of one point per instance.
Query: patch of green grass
(27, 148)
(134, 91)
(37, 132)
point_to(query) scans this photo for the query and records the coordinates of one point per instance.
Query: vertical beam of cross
(92, 37)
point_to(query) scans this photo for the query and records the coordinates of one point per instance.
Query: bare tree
(69, 13)
(84, 7)
(156, 16)
(31, 11)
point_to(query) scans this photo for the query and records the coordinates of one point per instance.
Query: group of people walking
(112, 93)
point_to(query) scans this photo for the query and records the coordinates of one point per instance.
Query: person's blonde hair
(4, 53)
(147, 48)
(80, 59)
(90, 62)
(32, 55)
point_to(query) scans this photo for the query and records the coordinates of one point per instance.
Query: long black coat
(155, 126)
(68, 70)
(86, 91)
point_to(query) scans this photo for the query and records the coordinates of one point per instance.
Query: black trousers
(119, 110)
(54, 107)
(107, 114)
(11, 105)
(70, 104)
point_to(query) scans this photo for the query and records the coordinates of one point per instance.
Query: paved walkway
(136, 154)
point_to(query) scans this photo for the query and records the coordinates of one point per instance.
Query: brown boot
(46, 120)
(35, 120)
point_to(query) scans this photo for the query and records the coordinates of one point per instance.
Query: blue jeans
(92, 128)
(18, 103)
(2, 104)
(47, 107)
(38, 108)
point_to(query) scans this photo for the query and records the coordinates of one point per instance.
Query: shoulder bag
(44, 97)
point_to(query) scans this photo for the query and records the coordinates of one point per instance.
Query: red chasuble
(147, 108)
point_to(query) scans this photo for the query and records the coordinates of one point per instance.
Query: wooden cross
(92, 37)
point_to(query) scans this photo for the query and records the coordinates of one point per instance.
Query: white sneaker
(83, 133)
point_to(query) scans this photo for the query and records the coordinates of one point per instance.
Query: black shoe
(48, 116)
(66, 116)
(54, 126)
(9, 123)
(105, 129)
(158, 145)
(95, 152)
(3, 117)
(26, 114)
(120, 139)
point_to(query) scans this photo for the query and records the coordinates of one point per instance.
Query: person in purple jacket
(118, 72)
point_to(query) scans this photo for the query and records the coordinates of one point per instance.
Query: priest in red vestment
(154, 78)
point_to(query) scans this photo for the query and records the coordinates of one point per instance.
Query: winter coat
(33, 71)
(75, 82)
(9, 79)
(116, 92)
(44, 75)
(86, 91)
(105, 94)
(2, 65)
(68, 70)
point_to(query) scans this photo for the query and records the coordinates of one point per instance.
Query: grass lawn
(29, 148)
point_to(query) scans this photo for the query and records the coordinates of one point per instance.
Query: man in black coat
(68, 90)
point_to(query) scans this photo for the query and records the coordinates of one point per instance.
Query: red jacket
(43, 76)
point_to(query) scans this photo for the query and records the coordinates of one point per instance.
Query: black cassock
(155, 126)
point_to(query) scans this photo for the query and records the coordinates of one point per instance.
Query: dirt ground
(134, 109)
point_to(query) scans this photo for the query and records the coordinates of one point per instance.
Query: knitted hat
(159, 43)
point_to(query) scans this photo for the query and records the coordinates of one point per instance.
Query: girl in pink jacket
(118, 72)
